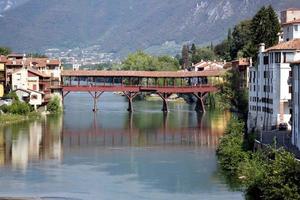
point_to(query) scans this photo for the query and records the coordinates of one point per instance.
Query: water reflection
(163, 129)
(23, 143)
(114, 154)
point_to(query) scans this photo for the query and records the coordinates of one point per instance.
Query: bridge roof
(143, 74)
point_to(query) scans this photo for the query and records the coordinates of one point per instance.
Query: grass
(14, 118)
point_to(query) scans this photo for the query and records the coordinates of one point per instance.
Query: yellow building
(2, 75)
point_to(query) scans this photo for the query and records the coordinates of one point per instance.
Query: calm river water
(114, 154)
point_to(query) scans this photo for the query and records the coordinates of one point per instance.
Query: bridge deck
(142, 74)
(128, 88)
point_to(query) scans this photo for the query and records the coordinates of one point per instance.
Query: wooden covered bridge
(131, 83)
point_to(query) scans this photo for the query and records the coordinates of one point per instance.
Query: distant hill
(123, 25)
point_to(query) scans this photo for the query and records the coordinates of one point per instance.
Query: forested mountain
(122, 25)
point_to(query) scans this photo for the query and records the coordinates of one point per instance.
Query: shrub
(54, 105)
(18, 108)
(230, 152)
(13, 96)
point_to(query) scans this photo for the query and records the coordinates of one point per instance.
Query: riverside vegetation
(265, 174)
(20, 111)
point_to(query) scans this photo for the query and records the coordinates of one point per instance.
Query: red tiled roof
(142, 74)
(35, 62)
(13, 55)
(38, 73)
(297, 21)
(3, 59)
(289, 45)
(296, 62)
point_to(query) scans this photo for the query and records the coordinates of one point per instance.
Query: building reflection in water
(23, 143)
(45, 139)
(144, 131)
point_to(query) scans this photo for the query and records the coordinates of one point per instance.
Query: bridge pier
(63, 95)
(130, 96)
(200, 107)
(164, 97)
(96, 97)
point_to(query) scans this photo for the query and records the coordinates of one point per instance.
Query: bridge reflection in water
(206, 133)
(48, 139)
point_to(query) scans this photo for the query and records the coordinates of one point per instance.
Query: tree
(5, 51)
(241, 37)
(222, 50)
(265, 27)
(204, 53)
(185, 56)
(141, 61)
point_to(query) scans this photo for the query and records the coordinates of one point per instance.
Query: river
(113, 154)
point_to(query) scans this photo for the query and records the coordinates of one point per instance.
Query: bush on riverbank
(230, 152)
(265, 174)
(54, 105)
(17, 108)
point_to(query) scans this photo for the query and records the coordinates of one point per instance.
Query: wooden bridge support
(96, 96)
(200, 107)
(130, 96)
(164, 97)
(63, 96)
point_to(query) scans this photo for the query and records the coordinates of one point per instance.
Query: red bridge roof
(143, 74)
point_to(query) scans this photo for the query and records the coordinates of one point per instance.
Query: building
(241, 66)
(2, 75)
(31, 86)
(207, 66)
(295, 102)
(269, 92)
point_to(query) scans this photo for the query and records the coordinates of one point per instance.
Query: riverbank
(6, 119)
(263, 174)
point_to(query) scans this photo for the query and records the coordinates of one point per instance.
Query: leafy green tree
(54, 105)
(141, 61)
(221, 50)
(241, 37)
(5, 51)
(204, 53)
(167, 63)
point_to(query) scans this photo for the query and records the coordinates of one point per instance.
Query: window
(288, 57)
(277, 57)
(271, 57)
(296, 27)
(266, 60)
(34, 97)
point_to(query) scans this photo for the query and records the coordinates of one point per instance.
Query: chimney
(250, 61)
(261, 47)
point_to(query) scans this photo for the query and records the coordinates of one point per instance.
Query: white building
(269, 92)
(295, 103)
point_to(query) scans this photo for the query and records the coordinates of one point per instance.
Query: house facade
(27, 82)
(2, 75)
(241, 66)
(269, 92)
(295, 102)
